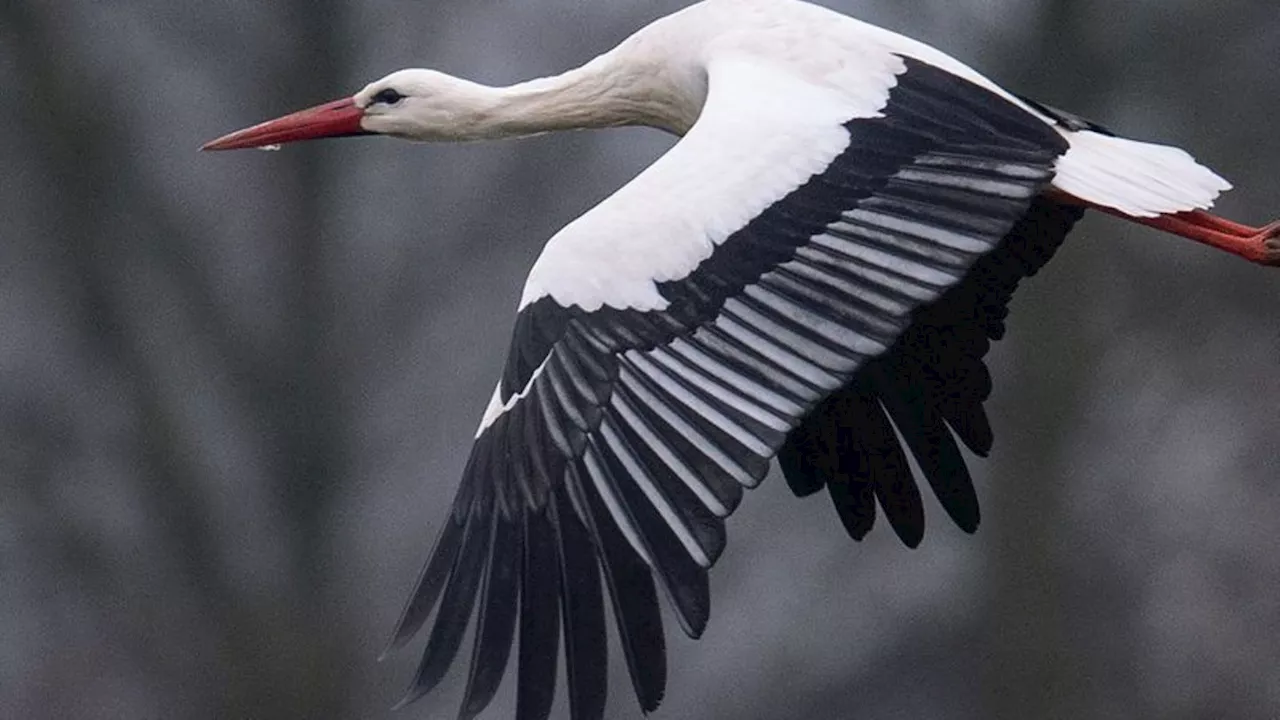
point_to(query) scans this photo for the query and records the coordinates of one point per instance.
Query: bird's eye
(389, 96)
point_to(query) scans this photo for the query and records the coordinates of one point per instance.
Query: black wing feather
(632, 594)
(881, 462)
(684, 581)
(582, 608)
(432, 580)
(707, 529)
(934, 449)
(539, 619)
(456, 605)
(495, 626)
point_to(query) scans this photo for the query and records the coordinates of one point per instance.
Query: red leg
(1260, 245)
(1256, 244)
(1204, 219)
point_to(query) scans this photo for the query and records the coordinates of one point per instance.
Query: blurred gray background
(237, 390)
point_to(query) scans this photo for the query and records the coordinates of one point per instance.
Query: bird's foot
(1260, 245)
(1269, 240)
(1257, 244)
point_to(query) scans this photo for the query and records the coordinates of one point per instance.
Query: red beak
(339, 118)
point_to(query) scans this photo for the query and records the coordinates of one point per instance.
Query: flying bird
(817, 267)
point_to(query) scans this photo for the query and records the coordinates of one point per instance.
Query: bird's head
(410, 104)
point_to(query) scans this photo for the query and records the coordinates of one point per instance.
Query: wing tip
(649, 705)
(393, 645)
(967, 521)
(400, 637)
(910, 540)
(413, 694)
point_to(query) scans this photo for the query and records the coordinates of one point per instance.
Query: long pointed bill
(339, 118)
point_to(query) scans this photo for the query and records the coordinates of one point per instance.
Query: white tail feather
(1136, 178)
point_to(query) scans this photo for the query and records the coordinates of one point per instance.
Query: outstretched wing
(670, 340)
(932, 383)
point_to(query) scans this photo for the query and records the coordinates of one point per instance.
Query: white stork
(823, 257)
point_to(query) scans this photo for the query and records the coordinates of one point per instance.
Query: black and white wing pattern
(806, 278)
(932, 383)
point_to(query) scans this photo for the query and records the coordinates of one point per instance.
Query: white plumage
(1136, 178)
(813, 272)
(761, 134)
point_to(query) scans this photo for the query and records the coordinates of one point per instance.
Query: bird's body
(820, 261)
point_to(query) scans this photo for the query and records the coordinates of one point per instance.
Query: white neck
(602, 93)
(625, 86)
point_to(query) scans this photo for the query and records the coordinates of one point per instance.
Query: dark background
(237, 390)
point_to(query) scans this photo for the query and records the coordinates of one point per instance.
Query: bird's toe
(1268, 239)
